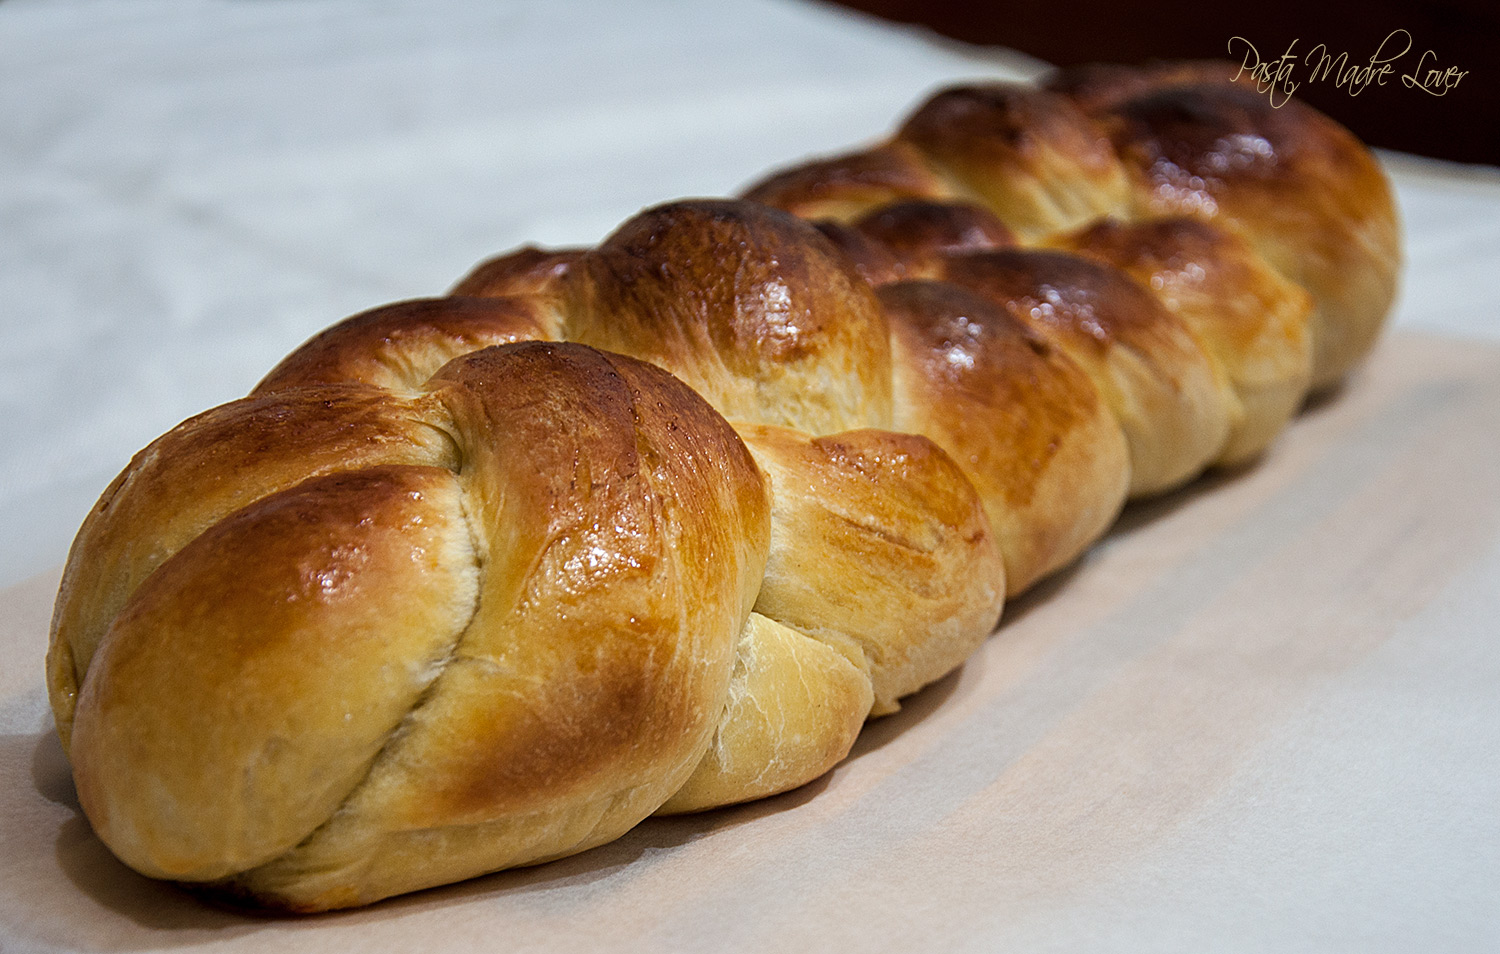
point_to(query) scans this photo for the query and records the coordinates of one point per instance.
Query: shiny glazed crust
(1139, 144)
(478, 581)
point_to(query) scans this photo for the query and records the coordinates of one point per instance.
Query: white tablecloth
(190, 189)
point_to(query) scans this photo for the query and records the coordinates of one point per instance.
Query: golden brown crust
(909, 239)
(245, 687)
(1163, 140)
(1034, 158)
(844, 187)
(400, 346)
(525, 271)
(875, 263)
(919, 233)
(205, 469)
(1300, 187)
(1150, 369)
(447, 595)
(613, 542)
(879, 546)
(1253, 322)
(1019, 416)
(753, 308)
(624, 527)
(606, 515)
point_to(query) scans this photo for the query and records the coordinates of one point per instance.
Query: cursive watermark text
(1276, 77)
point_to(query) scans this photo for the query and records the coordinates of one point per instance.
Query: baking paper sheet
(1260, 715)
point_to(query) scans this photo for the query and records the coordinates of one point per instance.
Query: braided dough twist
(474, 582)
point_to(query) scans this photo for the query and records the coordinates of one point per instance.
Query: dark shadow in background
(1461, 125)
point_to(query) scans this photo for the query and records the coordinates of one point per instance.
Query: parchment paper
(1261, 715)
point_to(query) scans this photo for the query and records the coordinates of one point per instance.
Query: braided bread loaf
(474, 582)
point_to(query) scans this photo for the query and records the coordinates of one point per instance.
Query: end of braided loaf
(1171, 140)
(478, 581)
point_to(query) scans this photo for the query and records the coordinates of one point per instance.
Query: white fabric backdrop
(190, 189)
